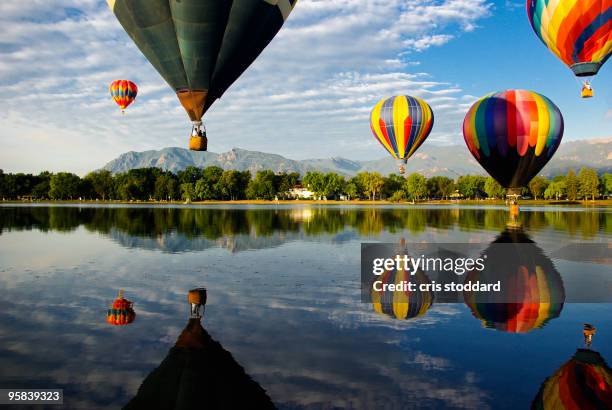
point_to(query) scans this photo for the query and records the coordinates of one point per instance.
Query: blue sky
(309, 94)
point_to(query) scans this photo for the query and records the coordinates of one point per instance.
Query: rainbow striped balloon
(532, 291)
(123, 92)
(513, 134)
(584, 382)
(578, 32)
(401, 124)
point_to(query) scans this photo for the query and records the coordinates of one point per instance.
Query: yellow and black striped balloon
(402, 305)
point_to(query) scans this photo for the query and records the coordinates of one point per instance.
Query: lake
(283, 298)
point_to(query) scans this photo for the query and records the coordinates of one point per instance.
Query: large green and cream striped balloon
(200, 47)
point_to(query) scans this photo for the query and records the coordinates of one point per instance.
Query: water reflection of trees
(217, 223)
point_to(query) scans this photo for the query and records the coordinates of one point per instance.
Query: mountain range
(450, 160)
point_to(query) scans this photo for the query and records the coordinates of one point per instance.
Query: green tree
(315, 182)
(18, 185)
(558, 178)
(571, 185)
(555, 190)
(606, 184)
(189, 175)
(283, 183)
(43, 185)
(470, 185)
(371, 183)
(588, 183)
(187, 191)
(440, 187)
(416, 186)
(166, 187)
(101, 183)
(64, 185)
(493, 189)
(333, 185)
(392, 184)
(351, 189)
(233, 184)
(137, 183)
(398, 196)
(262, 186)
(207, 187)
(537, 186)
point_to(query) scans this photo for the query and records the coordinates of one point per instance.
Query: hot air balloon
(124, 93)
(401, 124)
(579, 33)
(121, 312)
(513, 134)
(200, 47)
(402, 304)
(584, 382)
(532, 289)
(197, 300)
(198, 373)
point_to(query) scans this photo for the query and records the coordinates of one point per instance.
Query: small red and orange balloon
(121, 312)
(124, 93)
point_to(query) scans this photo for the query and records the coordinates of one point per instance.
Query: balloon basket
(198, 143)
(197, 300)
(586, 92)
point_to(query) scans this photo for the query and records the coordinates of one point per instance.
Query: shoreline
(484, 202)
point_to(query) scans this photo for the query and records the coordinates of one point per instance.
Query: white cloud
(308, 95)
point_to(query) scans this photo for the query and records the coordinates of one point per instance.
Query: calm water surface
(284, 299)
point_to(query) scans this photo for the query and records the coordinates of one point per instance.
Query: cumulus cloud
(308, 95)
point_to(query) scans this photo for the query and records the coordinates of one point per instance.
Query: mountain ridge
(450, 160)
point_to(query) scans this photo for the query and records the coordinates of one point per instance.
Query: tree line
(249, 226)
(214, 183)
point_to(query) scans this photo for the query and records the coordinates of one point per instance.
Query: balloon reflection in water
(121, 312)
(199, 373)
(197, 300)
(583, 382)
(402, 304)
(532, 289)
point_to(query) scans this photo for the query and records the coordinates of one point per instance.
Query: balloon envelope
(579, 32)
(121, 313)
(200, 47)
(402, 304)
(532, 289)
(513, 134)
(401, 124)
(123, 92)
(584, 382)
(198, 373)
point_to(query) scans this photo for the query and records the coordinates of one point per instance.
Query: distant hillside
(452, 160)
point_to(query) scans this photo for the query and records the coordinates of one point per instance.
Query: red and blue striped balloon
(123, 92)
